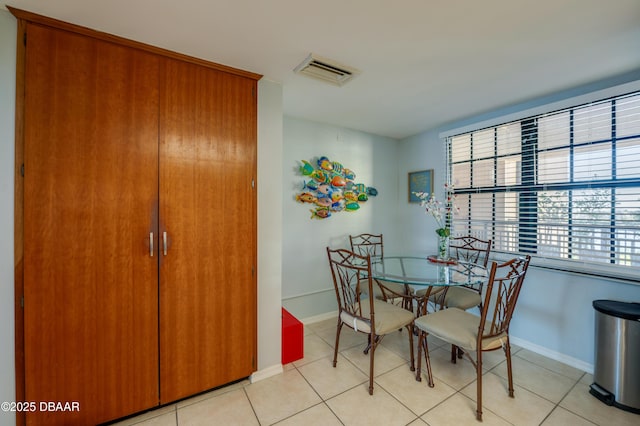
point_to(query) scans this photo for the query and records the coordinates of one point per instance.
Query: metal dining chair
(373, 245)
(352, 279)
(470, 250)
(474, 334)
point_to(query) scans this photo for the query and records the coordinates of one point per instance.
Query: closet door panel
(90, 203)
(208, 209)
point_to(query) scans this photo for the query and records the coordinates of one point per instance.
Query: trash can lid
(626, 310)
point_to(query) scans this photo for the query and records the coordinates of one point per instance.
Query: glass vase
(443, 247)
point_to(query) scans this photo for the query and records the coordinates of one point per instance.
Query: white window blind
(562, 186)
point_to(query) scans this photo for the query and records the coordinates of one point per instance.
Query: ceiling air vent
(326, 70)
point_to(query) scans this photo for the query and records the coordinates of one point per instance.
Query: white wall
(307, 288)
(269, 224)
(555, 315)
(7, 155)
(420, 152)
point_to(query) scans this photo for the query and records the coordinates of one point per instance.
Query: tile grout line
(244, 390)
(322, 400)
(572, 412)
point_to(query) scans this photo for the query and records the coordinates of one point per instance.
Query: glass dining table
(424, 276)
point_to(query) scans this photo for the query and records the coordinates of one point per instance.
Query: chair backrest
(470, 249)
(367, 244)
(350, 271)
(502, 291)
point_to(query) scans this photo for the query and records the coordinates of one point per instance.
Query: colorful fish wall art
(331, 188)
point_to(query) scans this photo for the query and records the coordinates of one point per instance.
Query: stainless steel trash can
(616, 375)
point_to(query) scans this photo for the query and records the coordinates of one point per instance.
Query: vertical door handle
(164, 242)
(151, 244)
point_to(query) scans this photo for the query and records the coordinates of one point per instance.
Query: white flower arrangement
(441, 211)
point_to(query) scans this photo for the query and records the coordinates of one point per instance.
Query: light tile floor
(311, 392)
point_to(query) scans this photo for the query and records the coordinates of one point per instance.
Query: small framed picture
(421, 181)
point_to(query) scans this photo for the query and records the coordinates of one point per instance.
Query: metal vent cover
(326, 70)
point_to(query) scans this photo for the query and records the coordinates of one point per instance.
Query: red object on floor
(292, 338)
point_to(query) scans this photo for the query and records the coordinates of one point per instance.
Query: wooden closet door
(90, 197)
(208, 210)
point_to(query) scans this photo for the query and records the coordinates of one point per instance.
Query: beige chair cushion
(457, 327)
(461, 297)
(389, 317)
(422, 291)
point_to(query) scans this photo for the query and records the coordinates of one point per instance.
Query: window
(563, 185)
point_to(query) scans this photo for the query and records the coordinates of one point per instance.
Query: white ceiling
(423, 62)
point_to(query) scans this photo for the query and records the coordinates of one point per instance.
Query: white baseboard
(557, 356)
(274, 370)
(265, 373)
